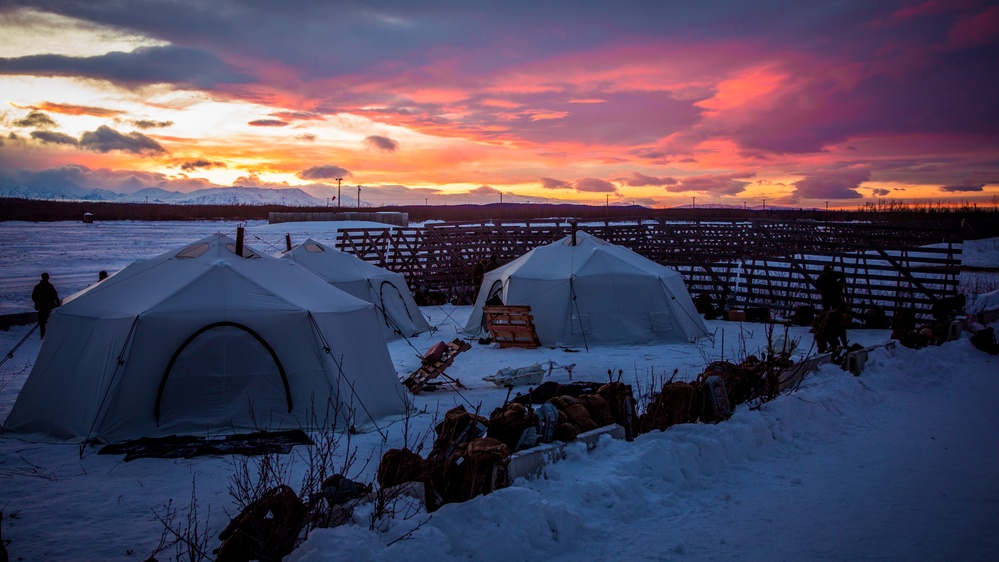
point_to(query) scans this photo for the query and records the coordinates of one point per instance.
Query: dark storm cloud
(327, 172)
(552, 183)
(268, 123)
(962, 188)
(121, 181)
(37, 120)
(146, 65)
(195, 164)
(637, 180)
(106, 139)
(148, 124)
(52, 137)
(384, 144)
(594, 185)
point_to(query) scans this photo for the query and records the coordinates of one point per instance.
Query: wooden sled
(511, 326)
(435, 361)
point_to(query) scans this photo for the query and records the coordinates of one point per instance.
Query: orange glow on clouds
(744, 89)
(695, 115)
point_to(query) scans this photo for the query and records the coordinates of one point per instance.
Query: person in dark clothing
(830, 284)
(491, 264)
(45, 298)
(478, 270)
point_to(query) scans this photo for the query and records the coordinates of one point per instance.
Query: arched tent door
(220, 376)
(495, 294)
(493, 297)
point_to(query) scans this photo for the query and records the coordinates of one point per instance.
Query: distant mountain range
(63, 189)
(291, 196)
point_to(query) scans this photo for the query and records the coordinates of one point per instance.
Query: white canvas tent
(385, 289)
(592, 293)
(186, 342)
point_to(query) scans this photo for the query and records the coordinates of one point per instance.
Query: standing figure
(45, 298)
(830, 284)
(478, 270)
(491, 264)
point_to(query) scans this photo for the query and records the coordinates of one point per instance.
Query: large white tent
(592, 292)
(387, 290)
(204, 341)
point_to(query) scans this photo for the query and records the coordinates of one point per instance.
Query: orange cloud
(737, 92)
(70, 109)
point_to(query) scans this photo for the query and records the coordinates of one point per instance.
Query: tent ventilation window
(314, 248)
(191, 252)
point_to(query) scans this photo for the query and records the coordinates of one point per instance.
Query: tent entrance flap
(391, 300)
(222, 368)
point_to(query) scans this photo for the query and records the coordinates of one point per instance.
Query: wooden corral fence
(755, 263)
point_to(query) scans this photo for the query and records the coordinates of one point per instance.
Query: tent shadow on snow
(387, 290)
(586, 291)
(203, 341)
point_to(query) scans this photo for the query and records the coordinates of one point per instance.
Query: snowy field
(74, 253)
(897, 464)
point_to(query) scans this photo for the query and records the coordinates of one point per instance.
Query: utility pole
(338, 180)
(358, 197)
(693, 202)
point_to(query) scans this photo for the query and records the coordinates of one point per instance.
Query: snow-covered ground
(897, 464)
(74, 253)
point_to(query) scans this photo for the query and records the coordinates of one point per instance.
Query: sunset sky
(659, 103)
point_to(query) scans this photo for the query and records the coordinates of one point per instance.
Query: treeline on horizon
(975, 221)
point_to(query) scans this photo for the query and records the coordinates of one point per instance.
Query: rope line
(328, 350)
(10, 355)
(119, 361)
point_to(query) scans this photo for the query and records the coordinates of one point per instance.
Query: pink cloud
(833, 184)
(484, 190)
(268, 123)
(594, 185)
(980, 29)
(636, 179)
(962, 188)
(551, 183)
(717, 184)
(381, 143)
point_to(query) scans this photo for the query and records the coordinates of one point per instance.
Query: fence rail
(754, 262)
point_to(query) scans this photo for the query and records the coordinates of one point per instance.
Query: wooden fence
(755, 262)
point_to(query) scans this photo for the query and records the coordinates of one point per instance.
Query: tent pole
(579, 317)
